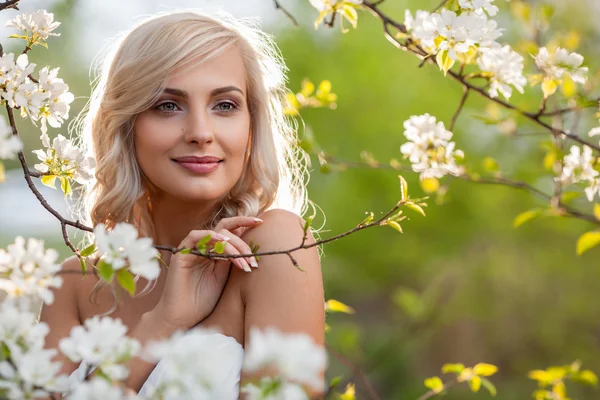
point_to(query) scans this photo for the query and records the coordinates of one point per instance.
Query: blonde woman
(187, 128)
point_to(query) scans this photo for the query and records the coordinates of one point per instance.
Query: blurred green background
(460, 285)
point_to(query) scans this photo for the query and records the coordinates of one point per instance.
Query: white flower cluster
(579, 167)
(429, 148)
(10, 144)
(99, 389)
(186, 372)
(295, 358)
(121, 247)
(469, 36)
(27, 371)
(63, 159)
(38, 25)
(506, 68)
(479, 6)
(27, 271)
(101, 343)
(46, 100)
(561, 63)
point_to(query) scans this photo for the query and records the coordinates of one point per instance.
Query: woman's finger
(240, 262)
(241, 246)
(232, 223)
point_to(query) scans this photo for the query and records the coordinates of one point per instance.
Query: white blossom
(98, 389)
(429, 148)
(62, 158)
(324, 5)
(39, 25)
(561, 63)
(121, 246)
(101, 343)
(195, 364)
(294, 356)
(29, 270)
(578, 167)
(457, 34)
(13, 74)
(479, 6)
(506, 69)
(28, 371)
(10, 144)
(285, 390)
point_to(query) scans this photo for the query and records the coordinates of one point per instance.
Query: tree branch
(9, 4)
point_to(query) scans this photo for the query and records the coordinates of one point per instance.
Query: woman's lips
(199, 168)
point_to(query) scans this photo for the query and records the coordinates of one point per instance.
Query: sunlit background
(460, 285)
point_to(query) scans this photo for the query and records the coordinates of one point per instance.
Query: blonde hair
(131, 79)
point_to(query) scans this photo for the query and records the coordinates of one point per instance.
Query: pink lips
(199, 165)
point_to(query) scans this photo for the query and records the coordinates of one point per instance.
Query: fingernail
(253, 262)
(257, 220)
(221, 237)
(246, 267)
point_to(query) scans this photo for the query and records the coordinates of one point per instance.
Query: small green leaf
(567, 197)
(587, 241)
(452, 368)
(186, 251)
(526, 216)
(416, 208)
(203, 241)
(219, 247)
(394, 225)
(369, 219)
(490, 164)
(333, 305)
(83, 267)
(125, 279)
(435, 384)
(483, 369)
(105, 271)
(597, 211)
(308, 223)
(65, 185)
(403, 188)
(489, 386)
(444, 61)
(475, 383)
(335, 381)
(587, 377)
(88, 250)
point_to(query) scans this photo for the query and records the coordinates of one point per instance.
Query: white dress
(225, 358)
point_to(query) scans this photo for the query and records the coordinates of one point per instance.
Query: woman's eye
(167, 107)
(229, 106)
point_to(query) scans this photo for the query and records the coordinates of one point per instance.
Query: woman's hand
(194, 283)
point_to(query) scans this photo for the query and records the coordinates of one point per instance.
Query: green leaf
(597, 211)
(105, 271)
(452, 368)
(368, 220)
(125, 279)
(489, 386)
(435, 384)
(490, 164)
(308, 223)
(333, 305)
(219, 247)
(394, 225)
(203, 241)
(587, 241)
(587, 377)
(526, 217)
(416, 208)
(88, 250)
(18, 37)
(483, 369)
(567, 197)
(83, 267)
(335, 381)
(475, 383)
(403, 188)
(186, 251)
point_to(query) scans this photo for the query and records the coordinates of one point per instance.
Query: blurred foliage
(459, 286)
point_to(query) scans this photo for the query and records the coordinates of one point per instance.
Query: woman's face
(203, 112)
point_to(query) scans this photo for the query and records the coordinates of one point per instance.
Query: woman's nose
(199, 127)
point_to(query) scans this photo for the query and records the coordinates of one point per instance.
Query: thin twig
(432, 393)
(463, 100)
(442, 4)
(355, 372)
(9, 4)
(286, 12)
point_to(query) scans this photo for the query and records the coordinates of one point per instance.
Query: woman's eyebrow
(214, 92)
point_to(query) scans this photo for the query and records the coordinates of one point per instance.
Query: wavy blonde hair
(131, 79)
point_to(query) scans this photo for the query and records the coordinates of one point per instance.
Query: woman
(187, 128)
